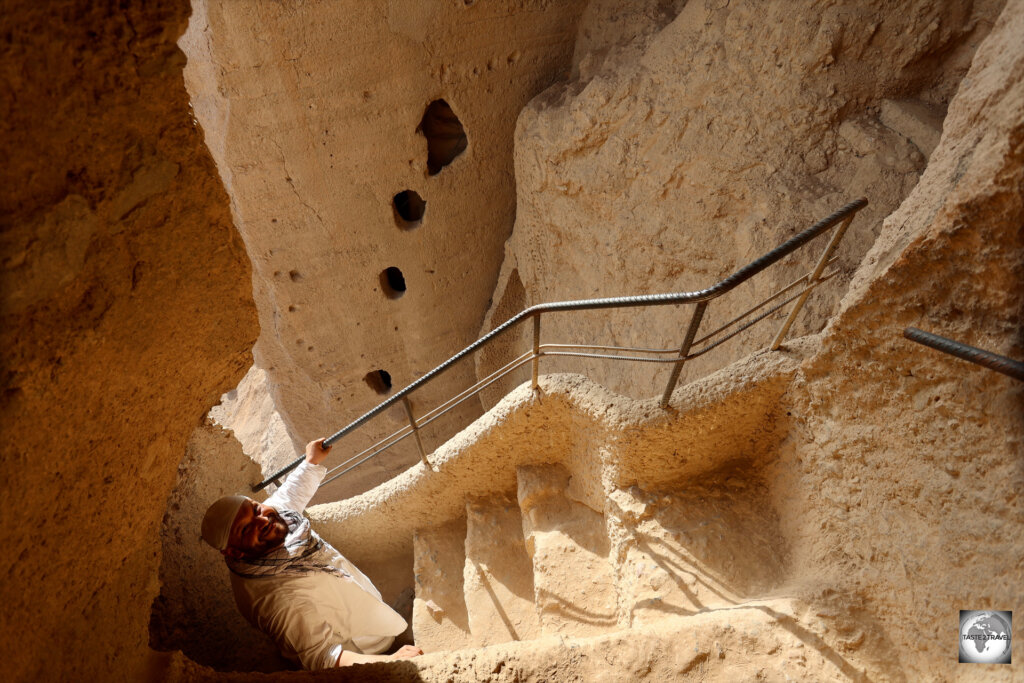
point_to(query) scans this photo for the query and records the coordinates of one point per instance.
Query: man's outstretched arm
(300, 485)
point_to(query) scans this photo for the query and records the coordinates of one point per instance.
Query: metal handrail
(700, 298)
(986, 359)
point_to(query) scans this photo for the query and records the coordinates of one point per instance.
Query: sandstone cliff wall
(911, 459)
(127, 310)
(322, 116)
(696, 136)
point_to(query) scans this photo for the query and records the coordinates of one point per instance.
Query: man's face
(257, 529)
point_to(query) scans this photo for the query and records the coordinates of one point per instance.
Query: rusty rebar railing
(801, 289)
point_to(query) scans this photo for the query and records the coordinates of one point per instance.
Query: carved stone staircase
(576, 521)
(515, 569)
(546, 563)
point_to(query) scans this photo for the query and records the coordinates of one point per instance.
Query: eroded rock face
(912, 458)
(127, 311)
(696, 137)
(324, 119)
(196, 610)
(248, 412)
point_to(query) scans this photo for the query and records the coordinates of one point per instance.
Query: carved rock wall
(912, 458)
(324, 118)
(127, 310)
(696, 136)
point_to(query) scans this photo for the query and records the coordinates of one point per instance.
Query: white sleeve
(298, 488)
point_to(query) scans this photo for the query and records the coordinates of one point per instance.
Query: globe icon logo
(985, 637)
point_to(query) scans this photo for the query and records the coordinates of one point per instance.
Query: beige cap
(218, 520)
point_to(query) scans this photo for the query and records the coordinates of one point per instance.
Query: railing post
(415, 431)
(536, 350)
(822, 262)
(684, 350)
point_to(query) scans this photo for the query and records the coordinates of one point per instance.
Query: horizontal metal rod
(428, 418)
(595, 347)
(770, 311)
(477, 387)
(436, 412)
(716, 290)
(972, 354)
(773, 297)
(325, 482)
(390, 440)
(633, 349)
(641, 359)
(469, 396)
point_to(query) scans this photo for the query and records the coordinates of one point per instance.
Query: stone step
(772, 639)
(440, 620)
(573, 581)
(684, 552)
(498, 574)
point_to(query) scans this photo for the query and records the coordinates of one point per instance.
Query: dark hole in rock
(392, 282)
(295, 275)
(379, 381)
(446, 138)
(409, 208)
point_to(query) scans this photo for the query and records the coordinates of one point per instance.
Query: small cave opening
(409, 209)
(446, 138)
(379, 381)
(392, 282)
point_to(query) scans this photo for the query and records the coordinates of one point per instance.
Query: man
(295, 587)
